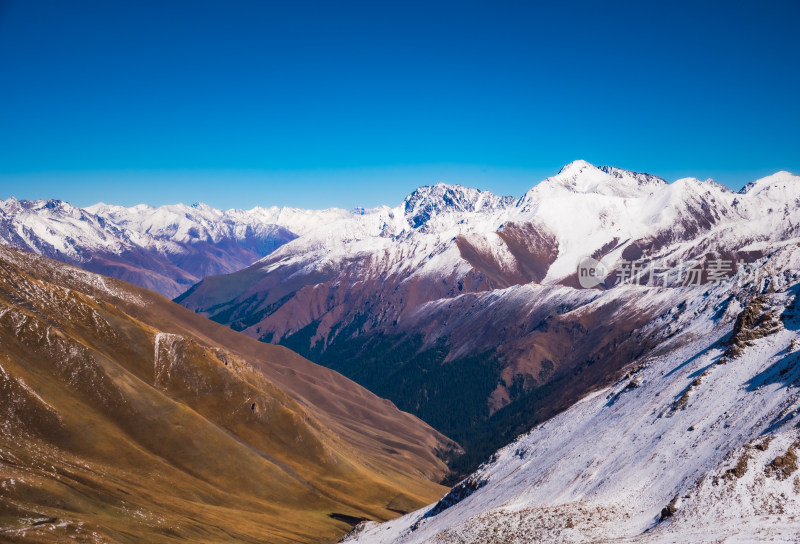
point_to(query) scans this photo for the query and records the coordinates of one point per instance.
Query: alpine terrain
(614, 356)
(698, 440)
(166, 249)
(466, 308)
(126, 418)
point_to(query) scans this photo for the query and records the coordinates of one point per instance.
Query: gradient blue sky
(341, 103)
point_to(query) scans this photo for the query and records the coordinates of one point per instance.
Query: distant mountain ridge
(167, 249)
(172, 247)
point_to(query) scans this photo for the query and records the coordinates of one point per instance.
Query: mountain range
(465, 308)
(166, 249)
(613, 357)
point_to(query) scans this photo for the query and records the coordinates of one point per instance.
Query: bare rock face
(753, 322)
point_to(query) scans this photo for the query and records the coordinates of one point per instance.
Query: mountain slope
(697, 442)
(127, 418)
(166, 249)
(464, 307)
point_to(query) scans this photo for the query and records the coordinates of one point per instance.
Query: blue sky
(319, 104)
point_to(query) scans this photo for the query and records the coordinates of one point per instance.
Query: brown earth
(127, 418)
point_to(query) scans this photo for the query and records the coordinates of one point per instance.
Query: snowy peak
(53, 206)
(583, 177)
(430, 201)
(101, 208)
(9, 206)
(780, 185)
(686, 187)
(62, 216)
(575, 168)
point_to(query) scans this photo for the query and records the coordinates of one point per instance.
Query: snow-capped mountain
(427, 202)
(696, 442)
(200, 222)
(465, 308)
(582, 177)
(166, 249)
(645, 330)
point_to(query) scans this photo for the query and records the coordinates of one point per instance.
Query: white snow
(583, 207)
(184, 223)
(62, 231)
(603, 470)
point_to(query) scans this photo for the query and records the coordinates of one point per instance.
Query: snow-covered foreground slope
(167, 249)
(697, 442)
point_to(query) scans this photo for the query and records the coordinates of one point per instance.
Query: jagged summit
(201, 207)
(51, 207)
(429, 201)
(642, 178)
(710, 182)
(9, 205)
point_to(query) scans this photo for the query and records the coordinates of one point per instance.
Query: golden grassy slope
(127, 418)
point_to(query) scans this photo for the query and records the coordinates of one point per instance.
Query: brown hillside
(127, 418)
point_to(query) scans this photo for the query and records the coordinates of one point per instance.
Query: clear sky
(338, 103)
